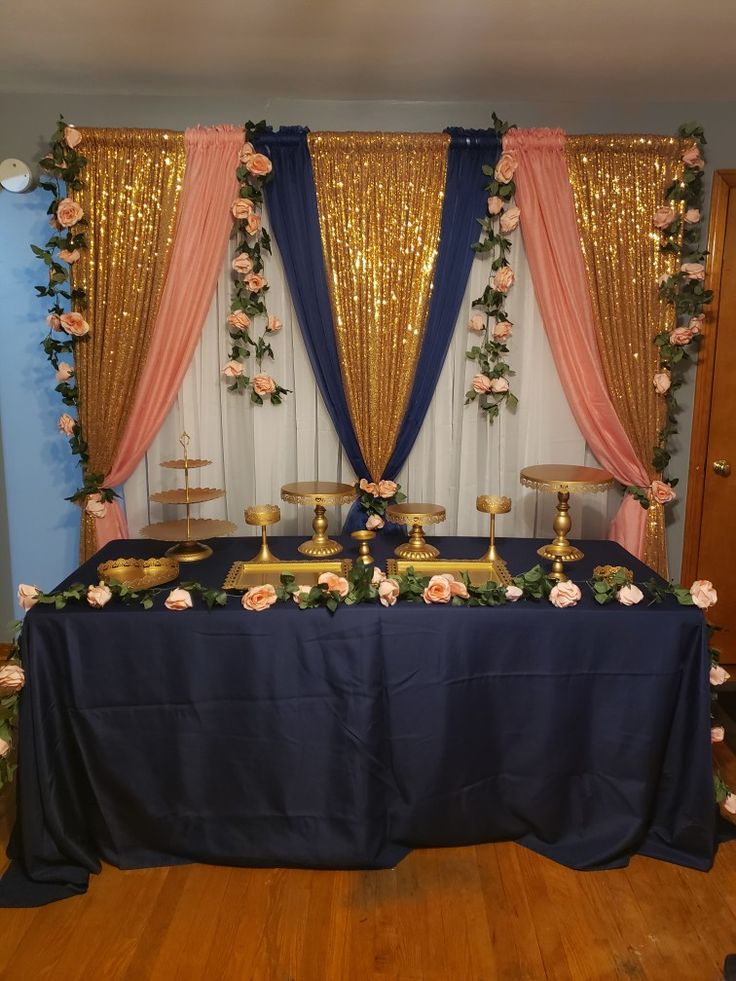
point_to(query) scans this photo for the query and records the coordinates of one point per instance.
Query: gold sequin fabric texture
(380, 198)
(133, 179)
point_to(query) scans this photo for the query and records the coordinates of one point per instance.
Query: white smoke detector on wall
(15, 175)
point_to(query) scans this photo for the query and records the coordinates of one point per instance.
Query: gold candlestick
(489, 504)
(263, 515)
(318, 493)
(364, 550)
(416, 515)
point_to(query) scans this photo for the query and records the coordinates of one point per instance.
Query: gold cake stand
(416, 515)
(489, 504)
(563, 480)
(263, 515)
(363, 538)
(320, 494)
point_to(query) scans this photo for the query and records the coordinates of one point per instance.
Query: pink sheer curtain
(201, 238)
(552, 244)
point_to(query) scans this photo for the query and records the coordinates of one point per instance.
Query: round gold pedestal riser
(363, 539)
(416, 515)
(319, 493)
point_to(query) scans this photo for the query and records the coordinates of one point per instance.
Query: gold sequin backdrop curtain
(133, 179)
(618, 183)
(380, 198)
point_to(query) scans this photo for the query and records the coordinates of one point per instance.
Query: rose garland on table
(250, 286)
(375, 498)
(501, 219)
(679, 223)
(64, 165)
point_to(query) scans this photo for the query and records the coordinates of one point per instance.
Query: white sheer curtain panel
(256, 449)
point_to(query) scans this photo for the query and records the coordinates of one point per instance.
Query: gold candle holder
(488, 504)
(364, 550)
(263, 515)
(318, 493)
(416, 515)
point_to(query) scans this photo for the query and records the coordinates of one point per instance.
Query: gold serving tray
(182, 495)
(139, 573)
(479, 572)
(243, 575)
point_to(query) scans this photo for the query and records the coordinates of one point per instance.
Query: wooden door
(710, 530)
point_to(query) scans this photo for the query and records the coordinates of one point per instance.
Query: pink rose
(388, 592)
(253, 224)
(661, 492)
(259, 598)
(233, 369)
(693, 270)
(503, 279)
(717, 734)
(64, 372)
(258, 165)
(437, 591)
(368, 487)
(495, 205)
(663, 217)
(564, 594)
(255, 282)
(53, 321)
(378, 576)
(692, 157)
(12, 678)
(729, 803)
(374, 522)
(243, 264)
(696, 324)
(692, 216)
(502, 330)
(95, 506)
(178, 599)
(246, 152)
(302, 593)
(629, 595)
(506, 167)
(74, 324)
(718, 675)
(72, 136)
(98, 596)
(66, 424)
(514, 593)
(242, 208)
(68, 213)
(263, 385)
(477, 323)
(238, 320)
(27, 596)
(4, 748)
(662, 381)
(387, 488)
(457, 587)
(703, 594)
(681, 336)
(71, 257)
(274, 325)
(335, 583)
(481, 384)
(510, 220)
(499, 386)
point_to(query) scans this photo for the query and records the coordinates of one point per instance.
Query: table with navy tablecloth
(302, 738)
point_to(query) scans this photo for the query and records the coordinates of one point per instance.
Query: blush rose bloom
(495, 205)
(64, 372)
(68, 213)
(662, 381)
(718, 675)
(502, 330)
(253, 224)
(477, 323)
(457, 587)
(499, 386)
(696, 324)
(4, 748)
(693, 158)
(661, 492)
(388, 592)
(703, 594)
(259, 598)
(506, 167)
(246, 152)
(263, 385)
(66, 424)
(178, 599)
(72, 136)
(242, 208)
(387, 488)
(378, 576)
(693, 270)
(233, 369)
(503, 279)
(437, 590)
(692, 216)
(238, 320)
(717, 734)
(71, 257)
(243, 264)
(681, 336)
(629, 595)
(96, 506)
(274, 325)
(374, 522)
(481, 384)
(27, 596)
(12, 678)
(302, 593)
(255, 282)
(368, 487)
(663, 217)
(98, 596)
(514, 593)
(729, 803)
(564, 594)
(53, 321)
(335, 583)
(510, 220)
(258, 165)
(74, 324)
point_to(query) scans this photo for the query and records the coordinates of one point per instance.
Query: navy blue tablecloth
(299, 738)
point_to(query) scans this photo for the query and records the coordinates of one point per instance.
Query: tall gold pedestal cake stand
(563, 480)
(263, 515)
(417, 515)
(320, 494)
(489, 504)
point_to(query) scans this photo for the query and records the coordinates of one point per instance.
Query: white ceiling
(434, 50)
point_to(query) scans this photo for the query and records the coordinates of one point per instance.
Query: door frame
(723, 182)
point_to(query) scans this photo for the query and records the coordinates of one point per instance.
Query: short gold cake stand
(320, 494)
(363, 538)
(488, 504)
(263, 515)
(417, 515)
(564, 480)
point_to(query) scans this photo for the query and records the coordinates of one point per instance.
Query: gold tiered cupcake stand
(185, 531)
(417, 549)
(319, 494)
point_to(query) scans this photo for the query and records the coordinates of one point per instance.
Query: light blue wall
(42, 529)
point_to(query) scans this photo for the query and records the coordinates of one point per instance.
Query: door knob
(722, 468)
